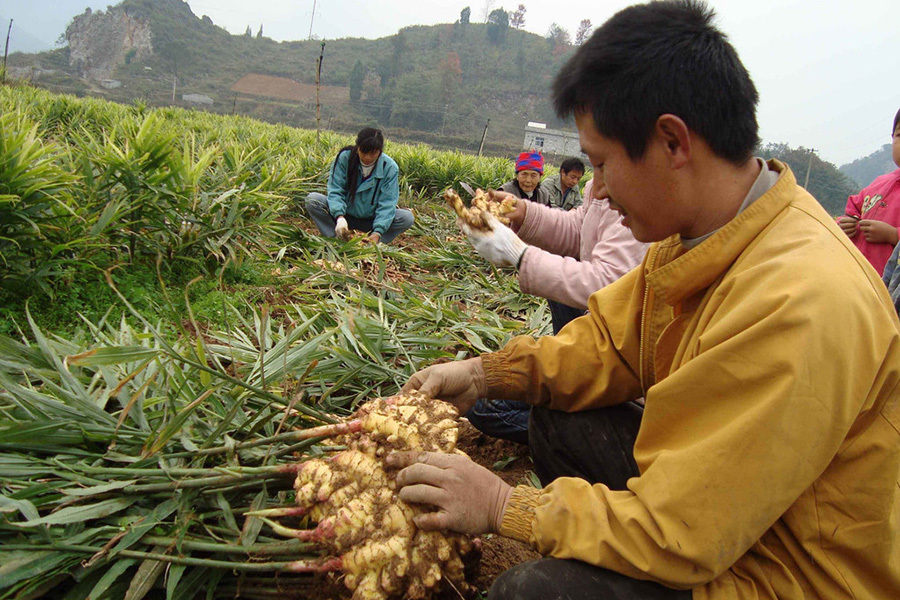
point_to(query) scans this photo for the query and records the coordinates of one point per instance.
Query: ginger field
(172, 331)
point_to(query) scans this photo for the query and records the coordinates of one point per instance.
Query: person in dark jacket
(527, 184)
(562, 188)
(363, 192)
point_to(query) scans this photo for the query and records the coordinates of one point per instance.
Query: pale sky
(828, 72)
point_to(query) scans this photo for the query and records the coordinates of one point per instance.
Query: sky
(828, 72)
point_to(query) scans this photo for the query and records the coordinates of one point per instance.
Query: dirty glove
(500, 245)
(461, 383)
(341, 230)
(466, 497)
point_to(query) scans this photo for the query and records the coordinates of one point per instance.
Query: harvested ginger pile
(363, 522)
(474, 216)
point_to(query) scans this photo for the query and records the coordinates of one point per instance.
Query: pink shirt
(575, 253)
(878, 201)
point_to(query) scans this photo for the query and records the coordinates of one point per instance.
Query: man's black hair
(367, 139)
(572, 164)
(665, 57)
(896, 122)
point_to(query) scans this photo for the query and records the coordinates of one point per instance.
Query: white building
(197, 99)
(552, 142)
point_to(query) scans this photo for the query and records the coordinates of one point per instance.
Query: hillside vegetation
(437, 84)
(863, 170)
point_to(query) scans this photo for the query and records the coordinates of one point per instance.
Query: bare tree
(558, 36)
(584, 32)
(517, 18)
(488, 9)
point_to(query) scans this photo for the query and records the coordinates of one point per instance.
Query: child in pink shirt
(872, 216)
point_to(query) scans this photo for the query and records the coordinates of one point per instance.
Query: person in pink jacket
(569, 255)
(564, 256)
(872, 217)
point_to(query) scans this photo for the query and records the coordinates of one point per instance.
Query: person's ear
(673, 133)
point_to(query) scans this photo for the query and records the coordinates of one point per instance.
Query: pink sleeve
(554, 230)
(570, 281)
(853, 208)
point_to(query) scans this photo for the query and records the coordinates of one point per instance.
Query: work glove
(499, 245)
(461, 383)
(467, 498)
(341, 230)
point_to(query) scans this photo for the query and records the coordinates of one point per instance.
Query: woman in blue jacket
(362, 193)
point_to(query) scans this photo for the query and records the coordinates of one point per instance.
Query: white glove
(500, 245)
(341, 229)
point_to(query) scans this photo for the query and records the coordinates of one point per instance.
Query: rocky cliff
(99, 42)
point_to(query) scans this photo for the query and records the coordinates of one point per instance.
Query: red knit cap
(530, 161)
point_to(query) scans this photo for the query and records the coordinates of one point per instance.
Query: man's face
(528, 180)
(637, 190)
(895, 147)
(570, 179)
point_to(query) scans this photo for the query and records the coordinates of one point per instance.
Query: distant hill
(22, 40)
(864, 170)
(437, 84)
(829, 185)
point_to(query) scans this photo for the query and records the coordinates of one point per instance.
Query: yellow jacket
(769, 449)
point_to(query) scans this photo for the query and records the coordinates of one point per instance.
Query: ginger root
(474, 216)
(360, 517)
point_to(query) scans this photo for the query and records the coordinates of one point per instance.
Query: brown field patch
(283, 88)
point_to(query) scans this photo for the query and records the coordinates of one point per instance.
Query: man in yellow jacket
(765, 464)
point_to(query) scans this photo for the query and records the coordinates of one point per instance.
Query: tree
(259, 33)
(498, 26)
(517, 18)
(464, 15)
(486, 11)
(248, 32)
(559, 38)
(828, 185)
(584, 32)
(416, 103)
(357, 77)
(451, 75)
(175, 52)
(400, 45)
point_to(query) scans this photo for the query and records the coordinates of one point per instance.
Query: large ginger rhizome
(475, 215)
(362, 523)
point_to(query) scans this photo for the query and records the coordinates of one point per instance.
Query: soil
(511, 462)
(254, 84)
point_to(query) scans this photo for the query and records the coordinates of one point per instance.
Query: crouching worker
(765, 463)
(363, 192)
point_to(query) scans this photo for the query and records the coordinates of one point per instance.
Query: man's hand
(878, 232)
(373, 238)
(341, 229)
(500, 245)
(461, 383)
(467, 497)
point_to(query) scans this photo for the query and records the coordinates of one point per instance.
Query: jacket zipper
(651, 263)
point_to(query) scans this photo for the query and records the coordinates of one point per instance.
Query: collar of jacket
(683, 274)
(377, 173)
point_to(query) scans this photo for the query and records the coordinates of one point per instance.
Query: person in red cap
(527, 184)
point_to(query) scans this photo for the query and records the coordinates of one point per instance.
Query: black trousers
(561, 314)
(598, 446)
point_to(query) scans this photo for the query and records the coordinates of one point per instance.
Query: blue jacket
(376, 197)
(891, 277)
